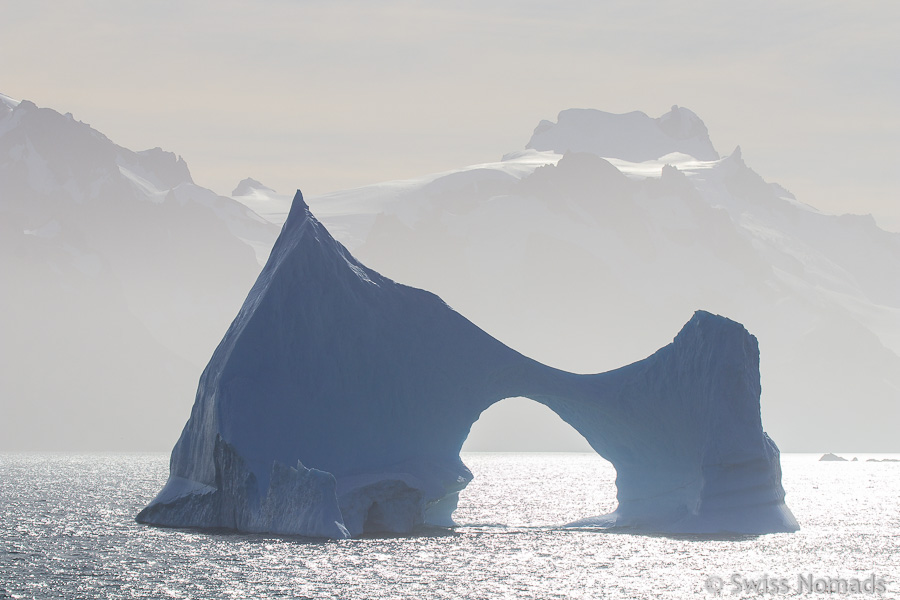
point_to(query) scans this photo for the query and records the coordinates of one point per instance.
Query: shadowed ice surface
(338, 401)
(67, 530)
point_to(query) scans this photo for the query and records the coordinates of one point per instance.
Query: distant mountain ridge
(608, 229)
(634, 136)
(122, 275)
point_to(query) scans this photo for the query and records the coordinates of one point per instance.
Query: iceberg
(338, 400)
(829, 457)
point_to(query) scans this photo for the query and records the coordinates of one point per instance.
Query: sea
(67, 530)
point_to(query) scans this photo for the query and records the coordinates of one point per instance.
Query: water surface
(67, 530)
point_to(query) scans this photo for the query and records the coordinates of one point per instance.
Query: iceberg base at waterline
(338, 401)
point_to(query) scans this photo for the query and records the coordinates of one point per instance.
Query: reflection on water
(67, 530)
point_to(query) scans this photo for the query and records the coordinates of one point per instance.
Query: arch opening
(520, 424)
(531, 469)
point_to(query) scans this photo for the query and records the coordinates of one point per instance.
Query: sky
(325, 96)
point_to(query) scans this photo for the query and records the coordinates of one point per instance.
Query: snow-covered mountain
(134, 272)
(120, 276)
(583, 250)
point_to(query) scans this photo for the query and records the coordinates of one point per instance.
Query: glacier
(338, 401)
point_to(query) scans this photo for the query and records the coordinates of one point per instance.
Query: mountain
(577, 255)
(633, 136)
(120, 275)
(251, 187)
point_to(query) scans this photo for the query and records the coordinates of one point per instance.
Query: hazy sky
(331, 95)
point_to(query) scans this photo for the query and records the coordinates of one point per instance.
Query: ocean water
(67, 530)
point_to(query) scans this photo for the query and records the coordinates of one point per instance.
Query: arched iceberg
(338, 401)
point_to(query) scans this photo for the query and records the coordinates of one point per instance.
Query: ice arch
(522, 425)
(338, 401)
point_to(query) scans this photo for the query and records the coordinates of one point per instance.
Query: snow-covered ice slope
(338, 401)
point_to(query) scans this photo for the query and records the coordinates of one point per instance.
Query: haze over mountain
(576, 255)
(120, 275)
